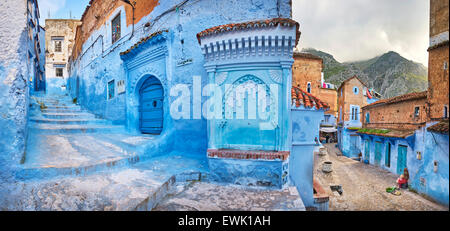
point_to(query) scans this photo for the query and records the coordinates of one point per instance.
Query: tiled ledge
(250, 155)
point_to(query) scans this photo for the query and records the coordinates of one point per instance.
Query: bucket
(326, 167)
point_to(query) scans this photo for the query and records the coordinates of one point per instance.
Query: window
(354, 112)
(445, 65)
(57, 43)
(355, 90)
(59, 72)
(115, 28)
(445, 111)
(308, 88)
(111, 89)
(327, 118)
(416, 111)
(367, 117)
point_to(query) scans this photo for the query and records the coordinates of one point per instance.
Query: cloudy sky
(361, 29)
(348, 29)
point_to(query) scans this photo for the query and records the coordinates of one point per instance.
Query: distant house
(353, 94)
(307, 75)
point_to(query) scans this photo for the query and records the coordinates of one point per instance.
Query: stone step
(69, 121)
(73, 107)
(82, 115)
(62, 110)
(42, 128)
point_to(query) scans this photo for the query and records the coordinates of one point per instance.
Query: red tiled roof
(306, 99)
(142, 41)
(400, 98)
(345, 81)
(441, 127)
(251, 24)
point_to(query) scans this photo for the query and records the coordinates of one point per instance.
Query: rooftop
(142, 40)
(306, 55)
(345, 81)
(386, 132)
(400, 98)
(249, 25)
(306, 99)
(441, 127)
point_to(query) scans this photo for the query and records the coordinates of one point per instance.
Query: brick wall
(438, 81)
(438, 17)
(330, 97)
(99, 11)
(396, 115)
(306, 69)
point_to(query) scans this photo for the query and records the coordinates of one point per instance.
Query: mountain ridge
(390, 74)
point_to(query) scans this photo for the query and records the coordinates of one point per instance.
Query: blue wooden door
(367, 151)
(401, 160)
(151, 107)
(377, 153)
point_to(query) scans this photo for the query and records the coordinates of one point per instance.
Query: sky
(353, 30)
(350, 30)
(61, 9)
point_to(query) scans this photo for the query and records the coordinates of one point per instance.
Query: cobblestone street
(364, 186)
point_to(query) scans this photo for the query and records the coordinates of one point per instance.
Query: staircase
(64, 139)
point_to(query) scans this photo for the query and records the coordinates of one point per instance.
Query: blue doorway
(151, 97)
(401, 160)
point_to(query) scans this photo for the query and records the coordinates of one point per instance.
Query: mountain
(389, 74)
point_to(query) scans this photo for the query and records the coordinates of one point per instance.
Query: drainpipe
(132, 6)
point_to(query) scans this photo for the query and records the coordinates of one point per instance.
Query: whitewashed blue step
(83, 115)
(74, 128)
(70, 121)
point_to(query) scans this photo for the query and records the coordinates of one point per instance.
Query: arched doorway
(151, 113)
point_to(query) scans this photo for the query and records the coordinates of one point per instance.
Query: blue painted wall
(305, 129)
(349, 142)
(434, 184)
(431, 146)
(100, 63)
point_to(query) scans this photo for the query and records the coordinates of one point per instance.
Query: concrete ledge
(321, 197)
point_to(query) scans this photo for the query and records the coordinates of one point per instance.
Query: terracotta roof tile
(142, 40)
(251, 24)
(441, 127)
(306, 99)
(400, 98)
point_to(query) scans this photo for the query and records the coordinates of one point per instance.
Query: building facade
(307, 74)
(59, 42)
(411, 131)
(116, 58)
(353, 94)
(20, 71)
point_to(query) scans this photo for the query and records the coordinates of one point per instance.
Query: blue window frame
(355, 90)
(354, 112)
(111, 89)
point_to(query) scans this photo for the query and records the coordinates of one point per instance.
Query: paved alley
(364, 187)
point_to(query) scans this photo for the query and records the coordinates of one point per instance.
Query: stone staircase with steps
(64, 139)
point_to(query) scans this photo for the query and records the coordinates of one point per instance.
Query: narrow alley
(364, 186)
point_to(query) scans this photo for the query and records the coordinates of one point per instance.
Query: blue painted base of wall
(249, 172)
(434, 184)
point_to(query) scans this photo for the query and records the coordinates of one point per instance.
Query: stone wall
(16, 72)
(396, 115)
